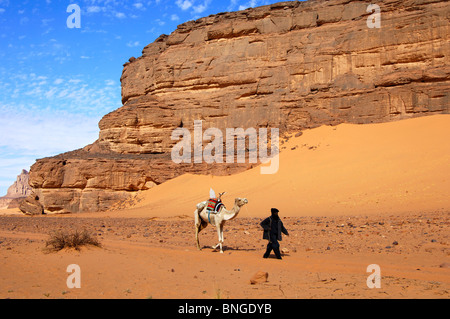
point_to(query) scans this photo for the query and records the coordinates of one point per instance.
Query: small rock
(395, 243)
(259, 277)
(444, 265)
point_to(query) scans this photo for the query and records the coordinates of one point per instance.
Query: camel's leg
(220, 236)
(214, 222)
(196, 238)
(198, 228)
(199, 225)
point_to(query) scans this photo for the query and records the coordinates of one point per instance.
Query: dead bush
(75, 239)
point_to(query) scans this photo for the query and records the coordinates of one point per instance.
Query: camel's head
(241, 201)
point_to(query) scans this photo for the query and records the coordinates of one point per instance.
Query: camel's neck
(229, 215)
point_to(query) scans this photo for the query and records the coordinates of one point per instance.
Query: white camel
(218, 220)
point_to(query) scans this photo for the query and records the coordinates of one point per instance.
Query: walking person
(273, 227)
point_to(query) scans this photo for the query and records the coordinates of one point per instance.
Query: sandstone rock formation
(17, 191)
(290, 65)
(31, 206)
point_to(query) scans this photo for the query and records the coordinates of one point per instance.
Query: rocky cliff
(17, 191)
(290, 65)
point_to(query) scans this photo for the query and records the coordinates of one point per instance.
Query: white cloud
(202, 7)
(184, 4)
(160, 22)
(132, 44)
(174, 17)
(2, 10)
(75, 81)
(138, 5)
(45, 22)
(93, 9)
(120, 15)
(250, 4)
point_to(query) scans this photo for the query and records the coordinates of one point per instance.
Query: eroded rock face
(31, 206)
(17, 191)
(291, 65)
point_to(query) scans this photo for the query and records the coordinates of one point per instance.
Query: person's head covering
(274, 212)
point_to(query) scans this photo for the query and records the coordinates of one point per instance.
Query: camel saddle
(214, 205)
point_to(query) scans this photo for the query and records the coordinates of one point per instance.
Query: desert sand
(350, 196)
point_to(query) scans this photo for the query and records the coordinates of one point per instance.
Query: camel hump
(201, 206)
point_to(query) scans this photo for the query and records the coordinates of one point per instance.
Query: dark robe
(273, 227)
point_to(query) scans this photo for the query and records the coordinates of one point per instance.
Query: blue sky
(57, 82)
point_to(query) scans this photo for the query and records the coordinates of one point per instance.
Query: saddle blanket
(214, 205)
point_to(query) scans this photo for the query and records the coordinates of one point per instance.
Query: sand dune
(349, 169)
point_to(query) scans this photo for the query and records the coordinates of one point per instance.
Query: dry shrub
(76, 239)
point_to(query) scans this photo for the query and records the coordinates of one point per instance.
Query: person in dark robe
(273, 227)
